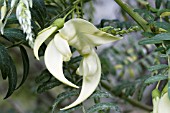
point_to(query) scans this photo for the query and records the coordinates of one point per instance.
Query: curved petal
(91, 78)
(63, 47)
(83, 35)
(42, 36)
(54, 63)
(164, 104)
(100, 37)
(155, 104)
(77, 26)
(79, 70)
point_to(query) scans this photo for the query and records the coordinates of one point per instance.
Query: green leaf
(168, 51)
(48, 85)
(149, 41)
(12, 19)
(141, 91)
(159, 49)
(148, 34)
(43, 77)
(155, 78)
(103, 106)
(163, 25)
(101, 94)
(156, 39)
(8, 69)
(129, 91)
(75, 60)
(158, 3)
(39, 12)
(14, 35)
(162, 37)
(168, 4)
(25, 61)
(158, 67)
(63, 96)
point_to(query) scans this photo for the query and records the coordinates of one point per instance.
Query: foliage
(132, 64)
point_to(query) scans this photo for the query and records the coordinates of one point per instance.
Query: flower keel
(55, 65)
(41, 38)
(91, 69)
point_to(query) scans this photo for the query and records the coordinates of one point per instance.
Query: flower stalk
(139, 20)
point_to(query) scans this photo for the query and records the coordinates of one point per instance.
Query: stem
(69, 13)
(129, 100)
(139, 20)
(16, 44)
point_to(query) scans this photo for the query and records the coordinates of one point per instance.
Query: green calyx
(59, 23)
(156, 93)
(165, 89)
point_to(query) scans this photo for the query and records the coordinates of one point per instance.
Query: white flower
(164, 104)
(24, 17)
(83, 36)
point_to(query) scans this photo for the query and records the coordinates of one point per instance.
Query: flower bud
(59, 23)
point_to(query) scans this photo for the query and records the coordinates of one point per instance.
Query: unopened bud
(59, 23)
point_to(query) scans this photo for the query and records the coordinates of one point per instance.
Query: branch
(129, 100)
(139, 20)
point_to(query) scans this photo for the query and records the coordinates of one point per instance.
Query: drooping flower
(83, 36)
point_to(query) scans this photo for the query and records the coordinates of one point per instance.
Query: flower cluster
(24, 17)
(83, 36)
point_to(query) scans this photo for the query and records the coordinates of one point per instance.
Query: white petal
(41, 38)
(13, 3)
(76, 25)
(91, 78)
(63, 47)
(80, 26)
(83, 35)
(3, 11)
(26, 3)
(100, 37)
(79, 70)
(30, 3)
(54, 63)
(164, 104)
(88, 66)
(155, 104)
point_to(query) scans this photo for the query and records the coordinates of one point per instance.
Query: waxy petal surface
(63, 47)
(41, 38)
(164, 104)
(91, 78)
(155, 104)
(54, 63)
(83, 35)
